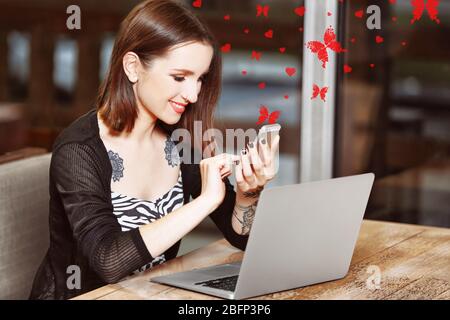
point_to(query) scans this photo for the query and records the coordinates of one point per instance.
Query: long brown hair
(150, 30)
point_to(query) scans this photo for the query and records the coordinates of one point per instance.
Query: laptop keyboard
(227, 283)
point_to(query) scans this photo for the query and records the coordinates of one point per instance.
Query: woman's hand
(253, 171)
(212, 170)
(255, 168)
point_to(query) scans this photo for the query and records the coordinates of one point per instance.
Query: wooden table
(414, 263)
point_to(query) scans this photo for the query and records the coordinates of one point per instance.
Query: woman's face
(171, 83)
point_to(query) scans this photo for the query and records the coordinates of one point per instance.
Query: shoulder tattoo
(117, 165)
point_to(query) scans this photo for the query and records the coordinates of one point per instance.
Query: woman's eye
(178, 79)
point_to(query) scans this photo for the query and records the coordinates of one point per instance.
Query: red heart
(328, 13)
(286, 97)
(372, 65)
(246, 30)
(197, 3)
(290, 71)
(282, 50)
(227, 17)
(300, 11)
(262, 85)
(379, 39)
(244, 72)
(359, 13)
(347, 68)
(226, 48)
(403, 43)
(269, 34)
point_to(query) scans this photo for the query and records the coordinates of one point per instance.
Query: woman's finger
(224, 173)
(274, 156)
(256, 163)
(240, 181)
(247, 171)
(274, 145)
(224, 162)
(265, 151)
(226, 159)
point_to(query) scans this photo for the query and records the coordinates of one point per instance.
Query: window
(18, 65)
(394, 113)
(249, 81)
(65, 69)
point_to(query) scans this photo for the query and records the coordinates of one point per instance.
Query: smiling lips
(178, 107)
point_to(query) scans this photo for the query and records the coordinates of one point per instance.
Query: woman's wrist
(248, 198)
(243, 215)
(207, 202)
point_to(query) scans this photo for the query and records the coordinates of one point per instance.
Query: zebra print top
(132, 213)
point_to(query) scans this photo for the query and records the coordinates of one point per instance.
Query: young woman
(120, 198)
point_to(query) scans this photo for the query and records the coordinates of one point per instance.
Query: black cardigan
(84, 232)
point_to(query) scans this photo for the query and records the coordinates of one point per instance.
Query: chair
(24, 235)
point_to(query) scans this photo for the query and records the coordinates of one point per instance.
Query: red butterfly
(317, 90)
(330, 42)
(419, 7)
(262, 10)
(264, 115)
(256, 55)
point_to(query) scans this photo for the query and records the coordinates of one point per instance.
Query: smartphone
(269, 132)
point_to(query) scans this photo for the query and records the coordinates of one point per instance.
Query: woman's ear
(131, 66)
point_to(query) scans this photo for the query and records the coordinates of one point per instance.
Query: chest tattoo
(171, 151)
(117, 165)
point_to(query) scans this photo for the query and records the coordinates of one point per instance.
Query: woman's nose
(190, 93)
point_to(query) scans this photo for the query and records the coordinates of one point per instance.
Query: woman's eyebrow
(189, 72)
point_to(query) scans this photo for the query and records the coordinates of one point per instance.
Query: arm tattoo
(116, 164)
(247, 217)
(171, 151)
(253, 194)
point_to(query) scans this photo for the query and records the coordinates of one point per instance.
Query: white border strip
(317, 117)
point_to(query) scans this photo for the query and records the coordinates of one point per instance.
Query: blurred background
(392, 110)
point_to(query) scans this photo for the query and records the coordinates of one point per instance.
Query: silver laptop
(302, 234)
